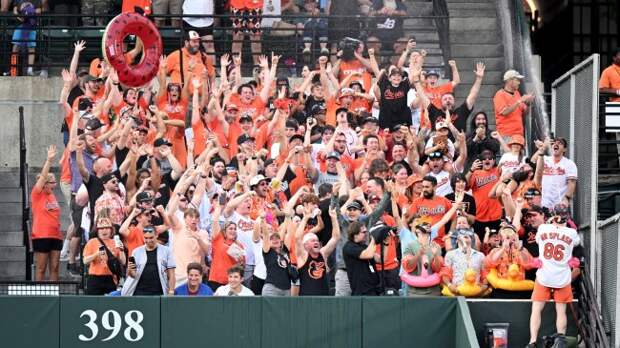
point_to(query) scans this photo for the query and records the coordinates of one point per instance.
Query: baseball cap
(143, 197)
(517, 139)
(244, 138)
(441, 125)
(245, 118)
(512, 74)
(108, 177)
(296, 136)
(433, 72)
(307, 237)
(395, 71)
(90, 77)
(560, 210)
(193, 35)
(562, 140)
(370, 119)
(334, 154)
(346, 92)
(93, 124)
(359, 83)
(257, 179)
(355, 205)
(161, 142)
(317, 109)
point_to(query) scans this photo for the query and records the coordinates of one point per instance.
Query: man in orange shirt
(482, 177)
(610, 78)
(510, 106)
(191, 59)
(431, 205)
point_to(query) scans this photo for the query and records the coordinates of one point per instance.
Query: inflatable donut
(424, 280)
(132, 24)
(512, 283)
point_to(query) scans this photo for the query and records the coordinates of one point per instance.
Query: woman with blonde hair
(46, 236)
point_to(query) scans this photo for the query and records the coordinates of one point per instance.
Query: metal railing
(25, 187)
(588, 316)
(39, 288)
(55, 42)
(442, 22)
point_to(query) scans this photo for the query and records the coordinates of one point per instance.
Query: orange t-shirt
(434, 93)
(134, 239)
(610, 78)
(173, 66)
(45, 215)
(512, 123)
(176, 135)
(254, 109)
(360, 104)
(97, 266)
(221, 260)
(355, 66)
(435, 209)
(481, 183)
(129, 6)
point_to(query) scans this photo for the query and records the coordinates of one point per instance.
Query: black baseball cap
(244, 138)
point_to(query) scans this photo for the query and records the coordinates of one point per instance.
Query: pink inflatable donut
(420, 281)
(132, 24)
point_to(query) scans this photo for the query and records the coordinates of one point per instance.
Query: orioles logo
(316, 269)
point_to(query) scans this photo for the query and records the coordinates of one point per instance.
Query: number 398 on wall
(111, 321)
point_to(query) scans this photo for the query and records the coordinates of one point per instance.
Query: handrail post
(442, 22)
(23, 184)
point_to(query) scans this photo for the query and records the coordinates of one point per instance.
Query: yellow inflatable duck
(469, 288)
(512, 283)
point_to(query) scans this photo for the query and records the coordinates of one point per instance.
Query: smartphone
(132, 260)
(189, 134)
(101, 248)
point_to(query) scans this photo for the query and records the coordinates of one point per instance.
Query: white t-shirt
(198, 7)
(443, 187)
(509, 163)
(316, 148)
(245, 230)
(555, 248)
(260, 270)
(224, 290)
(416, 113)
(555, 180)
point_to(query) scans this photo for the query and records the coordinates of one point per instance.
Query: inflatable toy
(512, 283)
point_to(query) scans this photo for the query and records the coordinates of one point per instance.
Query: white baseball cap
(512, 74)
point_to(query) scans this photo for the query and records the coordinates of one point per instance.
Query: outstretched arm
(475, 88)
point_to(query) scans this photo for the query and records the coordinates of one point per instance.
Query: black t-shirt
(388, 28)
(470, 206)
(277, 269)
(529, 243)
(393, 108)
(149, 283)
(459, 115)
(362, 275)
(75, 93)
(326, 233)
(313, 277)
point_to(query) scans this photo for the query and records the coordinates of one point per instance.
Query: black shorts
(45, 245)
(99, 285)
(202, 31)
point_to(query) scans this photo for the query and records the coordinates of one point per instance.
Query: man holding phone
(150, 270)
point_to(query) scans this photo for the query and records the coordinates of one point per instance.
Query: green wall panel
(29, 322)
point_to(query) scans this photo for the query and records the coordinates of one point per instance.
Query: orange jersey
(352, 67)
(173, 66)
(481, 183)
(130, 5)
(434, 208)
(254, 109)
(247, 4)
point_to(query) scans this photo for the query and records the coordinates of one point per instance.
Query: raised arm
(475, 88)
(456, 78)
(300, 251)
(328, 248)
(42, 180)
(75, 59)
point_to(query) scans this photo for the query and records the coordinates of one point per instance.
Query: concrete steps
(425, 32)
(475, 35)
(12, 249)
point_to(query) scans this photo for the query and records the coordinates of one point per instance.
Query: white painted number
(116, 324)
(111, 321)
(92, 316)
(134, 326)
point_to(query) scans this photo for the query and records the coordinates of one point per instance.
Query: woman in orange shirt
(46, 237)
(100, 280)
(226, 251)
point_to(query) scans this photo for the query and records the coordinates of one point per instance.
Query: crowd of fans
(279, 184)
(380, 23)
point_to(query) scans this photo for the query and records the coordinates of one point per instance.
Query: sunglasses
(263, 183)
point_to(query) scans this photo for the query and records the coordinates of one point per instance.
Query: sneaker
(531, 345)
(30, 72)
(64, 256)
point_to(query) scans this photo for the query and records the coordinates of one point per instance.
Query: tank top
(313, 277)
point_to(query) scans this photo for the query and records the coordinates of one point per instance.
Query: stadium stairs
(475, 35)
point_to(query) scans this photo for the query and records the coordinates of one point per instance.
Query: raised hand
(51, 152)
(67, 77)
(479, 70)
(237, 59)
(225, 60)
(79, 46)
(263, 62)
(452, 63)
